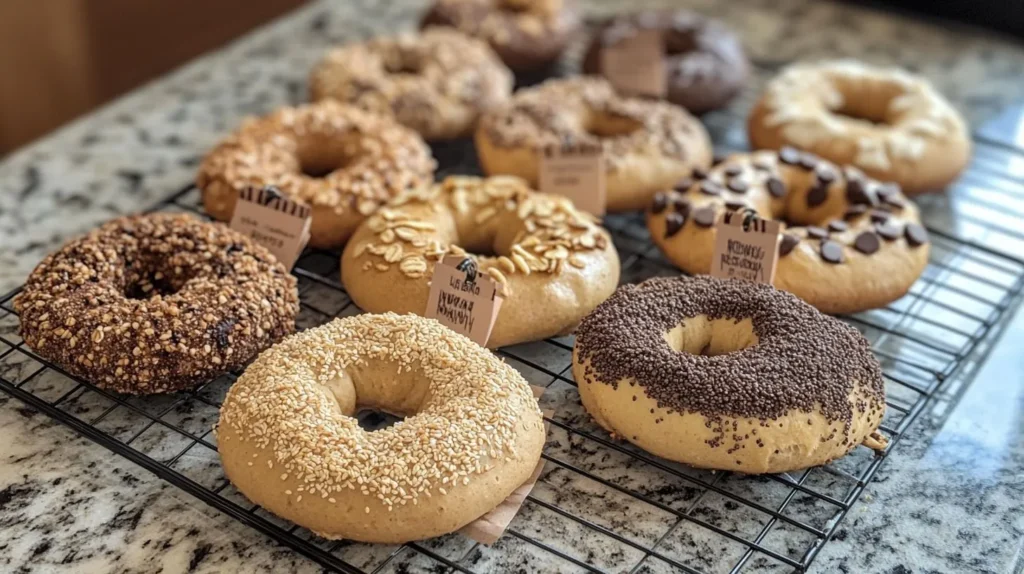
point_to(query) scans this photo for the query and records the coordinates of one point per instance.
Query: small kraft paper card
(575, 171)
(745, 247)
(463, 299)
(274, 221)
(635, 63)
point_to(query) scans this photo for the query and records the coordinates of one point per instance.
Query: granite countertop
(947, 501)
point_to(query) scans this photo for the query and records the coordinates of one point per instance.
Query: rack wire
(601, 505)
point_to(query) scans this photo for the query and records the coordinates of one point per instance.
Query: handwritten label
(464, 300)
(635, 63)
(274, 221)
(577, 172)
(745, 247)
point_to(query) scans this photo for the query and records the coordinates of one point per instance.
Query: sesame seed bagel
(156, 303)
(527, 34)
(554, 262)
(852, 243)
(648, 145)
(288, 441)
(342, 161)
(437, 82)
(892, 125)
(728, 374)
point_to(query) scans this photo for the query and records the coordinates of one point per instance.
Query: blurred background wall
(62, 58)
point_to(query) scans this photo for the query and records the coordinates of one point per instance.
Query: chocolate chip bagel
(156, 303)
(437, 82)
(647, 145)
(288, 440)
(889, 123)
(728, 374)
(852, 244)
(554, 262)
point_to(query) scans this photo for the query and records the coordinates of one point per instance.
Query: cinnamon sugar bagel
(554, 262)
(437, 82)
(728, 374)
(852, 243)
(342, 161)
(648, 145)
(892, 125)
(156, 303)
(287, 440)
(527, 34)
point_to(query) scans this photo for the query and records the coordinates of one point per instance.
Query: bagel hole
(320, 159)
(865, 110)
(371, 420)
(711, 337)
(609, 126)
(149, 285)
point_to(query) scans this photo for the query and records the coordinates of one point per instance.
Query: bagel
(729, 375)
(528, 35)
(437, 83)
(648, 145)
(156, 303)
(555, 263)
(342, 161)
(288, 442)
(705, 66)
(892, 125)
(853, 244)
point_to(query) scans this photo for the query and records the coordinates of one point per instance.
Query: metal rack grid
(601, 505)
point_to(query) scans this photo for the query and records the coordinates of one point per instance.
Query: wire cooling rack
(602, 505)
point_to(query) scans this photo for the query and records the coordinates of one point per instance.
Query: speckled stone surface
(947, 501)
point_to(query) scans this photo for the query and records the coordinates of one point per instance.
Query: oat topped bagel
(288, 440)
(342, 161)
(852, 243)
(554, 262)
(887, 122)
(648, 145)
(437, 82)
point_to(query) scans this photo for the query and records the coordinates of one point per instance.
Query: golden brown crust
(556, 263)
(472, 435)
(910, 134)
(527, 34)
(437, 82)
(365, 159)
(892, 253)
(156, 303)
(648, 145)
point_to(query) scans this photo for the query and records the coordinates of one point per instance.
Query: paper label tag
(635, 64)
(577, 172)
(274, 221)
(750, 253)
(464, 300)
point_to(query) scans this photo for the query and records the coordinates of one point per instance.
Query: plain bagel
(648, 146)
(892, 125)
(728, 374)
(852, 244)
(472, 435)
(555, 263)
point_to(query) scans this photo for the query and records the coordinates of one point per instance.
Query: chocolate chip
(817, 232)
(858, 193)
(683, 184)
(737, 185)
(867, 242)
(673, 223)
(762, 165)
(809, 161)
(817, 195)
(221, 330)
(915, 234)
(855, 211)
(825, 175)
(718, 158)
(888, 190)
(831, 251)
(837, 226)
(682, 205)
(710, 187)
(704, 217)
(789, 156)
(788, 243)
(699, 173)
(660, 203)
(895, 201)
(889, 231)
(879, 216)
(776, 187)
(735, 204)
(733, 170)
